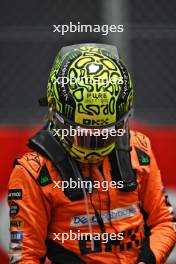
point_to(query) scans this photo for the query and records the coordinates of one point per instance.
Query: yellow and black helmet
(89, 90)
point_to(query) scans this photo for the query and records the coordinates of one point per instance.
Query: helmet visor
(86, 136)
(95, 138)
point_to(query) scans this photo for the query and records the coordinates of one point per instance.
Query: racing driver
(59, 208)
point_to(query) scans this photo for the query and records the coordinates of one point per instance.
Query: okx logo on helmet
(89, 91)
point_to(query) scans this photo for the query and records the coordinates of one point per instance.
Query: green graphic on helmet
(89, 86)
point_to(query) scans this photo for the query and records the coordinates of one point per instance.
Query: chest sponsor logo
(14, 209)
(116, 214)
(15, 194)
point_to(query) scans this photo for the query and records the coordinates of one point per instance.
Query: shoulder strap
(44, 143)
(121, 163)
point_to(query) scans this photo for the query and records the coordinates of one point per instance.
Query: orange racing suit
(40, 213)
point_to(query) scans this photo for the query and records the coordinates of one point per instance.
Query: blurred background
(27, 50)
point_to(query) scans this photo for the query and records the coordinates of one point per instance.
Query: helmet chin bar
(91, 158)
(88, 156)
